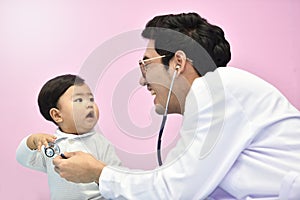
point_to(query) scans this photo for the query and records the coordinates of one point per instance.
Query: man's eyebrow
(145, 57)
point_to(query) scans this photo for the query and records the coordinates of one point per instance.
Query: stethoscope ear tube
(161, 130)
(163, 123)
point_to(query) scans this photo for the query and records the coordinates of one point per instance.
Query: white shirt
(92, 142)
(240, 139)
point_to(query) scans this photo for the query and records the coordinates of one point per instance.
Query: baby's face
(78, 110)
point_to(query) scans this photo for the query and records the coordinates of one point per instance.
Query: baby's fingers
(39, 145)
(46, 141)
(52, 138)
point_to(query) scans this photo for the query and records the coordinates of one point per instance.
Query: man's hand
(79, 167)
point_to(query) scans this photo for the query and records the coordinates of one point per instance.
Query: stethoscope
(163, 123)
(53, 149)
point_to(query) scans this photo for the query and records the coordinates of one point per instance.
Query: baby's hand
(36, 141)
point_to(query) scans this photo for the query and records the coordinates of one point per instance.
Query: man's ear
(180, 60)
(55, 115)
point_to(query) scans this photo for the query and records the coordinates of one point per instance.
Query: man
(240, 137)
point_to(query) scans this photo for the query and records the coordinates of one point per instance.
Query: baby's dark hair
(53, 90)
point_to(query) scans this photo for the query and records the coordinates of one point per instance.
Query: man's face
(78, 110)
(157, 79)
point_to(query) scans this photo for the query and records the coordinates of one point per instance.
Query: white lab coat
(240, 139)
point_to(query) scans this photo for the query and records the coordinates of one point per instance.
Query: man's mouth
(152, 92)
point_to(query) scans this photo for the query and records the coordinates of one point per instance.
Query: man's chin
(159, 109)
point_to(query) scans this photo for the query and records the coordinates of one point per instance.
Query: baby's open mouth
(90, 115)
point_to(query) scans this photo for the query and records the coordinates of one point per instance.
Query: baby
(68, 102)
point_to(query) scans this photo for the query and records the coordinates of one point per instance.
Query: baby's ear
(56, 115)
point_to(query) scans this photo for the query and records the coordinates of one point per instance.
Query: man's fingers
(56, 169)
(56, 161)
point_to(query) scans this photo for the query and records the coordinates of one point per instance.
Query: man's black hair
(193, 29)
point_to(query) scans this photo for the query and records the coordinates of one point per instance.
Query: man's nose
(143, 81)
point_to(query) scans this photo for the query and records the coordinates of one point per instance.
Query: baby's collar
(62, 135)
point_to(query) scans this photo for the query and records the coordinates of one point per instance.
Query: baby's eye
(78, 100)
(92, 99)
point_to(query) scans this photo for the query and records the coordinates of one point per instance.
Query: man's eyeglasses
(143, 64)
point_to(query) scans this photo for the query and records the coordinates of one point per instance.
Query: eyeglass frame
(143, 65)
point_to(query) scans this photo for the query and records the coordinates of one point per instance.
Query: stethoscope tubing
(164, 119)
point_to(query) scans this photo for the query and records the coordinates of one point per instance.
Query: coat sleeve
(186, 176)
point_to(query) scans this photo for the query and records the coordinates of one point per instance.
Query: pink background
(42, 39)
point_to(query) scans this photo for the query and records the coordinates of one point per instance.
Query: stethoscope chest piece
(52, 149)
